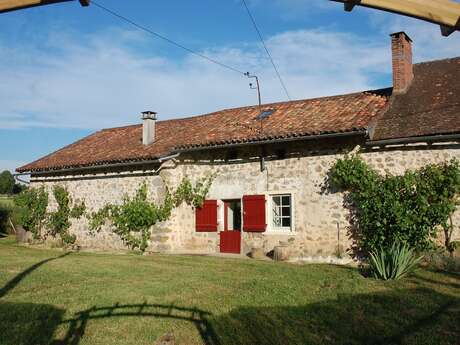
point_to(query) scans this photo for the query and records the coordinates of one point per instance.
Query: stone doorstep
(229, 256)
(324, 260)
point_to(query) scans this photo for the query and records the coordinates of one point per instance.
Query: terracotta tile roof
(431, 106)
(345, 113)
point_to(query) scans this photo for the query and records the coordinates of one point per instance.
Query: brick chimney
(403, 73)
(148, 127)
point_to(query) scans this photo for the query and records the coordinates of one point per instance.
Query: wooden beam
(349, 6)
(442, 12)
(446, 30)
(13, 5)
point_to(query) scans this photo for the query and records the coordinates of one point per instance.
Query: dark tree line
(8, 184)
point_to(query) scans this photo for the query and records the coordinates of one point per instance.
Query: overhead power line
(164, 38)
(266, 49)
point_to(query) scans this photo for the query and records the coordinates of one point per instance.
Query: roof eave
(81, 168)
(416, 139)
(357, 132)
(177, 151)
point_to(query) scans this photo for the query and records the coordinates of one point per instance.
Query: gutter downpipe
(165, 158)
(17, 178)
(408, 140)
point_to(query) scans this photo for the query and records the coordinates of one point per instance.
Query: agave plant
(393, 263)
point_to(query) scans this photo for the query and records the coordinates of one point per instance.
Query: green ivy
(193, 195)
(59, 220)
(133, 219)
(32, 203)
(407, 209)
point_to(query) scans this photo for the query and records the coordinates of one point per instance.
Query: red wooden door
(230, 240)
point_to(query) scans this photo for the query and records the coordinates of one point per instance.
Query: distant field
(8, 210)
(6, 200)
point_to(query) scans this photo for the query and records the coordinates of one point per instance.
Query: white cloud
(105, 80)
(101, 80)
(428, 43)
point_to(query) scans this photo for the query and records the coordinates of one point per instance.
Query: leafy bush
(409, 208)
(32, 203)
(5, 214)
(59, 220)
(394, 262)
(134, 218)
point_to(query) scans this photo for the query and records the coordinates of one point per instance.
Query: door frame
(226, 203)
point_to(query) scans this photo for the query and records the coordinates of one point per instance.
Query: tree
(18, 188)
(6, 182)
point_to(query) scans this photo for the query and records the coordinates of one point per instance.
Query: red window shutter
(254, 213)
(206, 216)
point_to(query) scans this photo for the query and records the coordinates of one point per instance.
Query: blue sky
(66, 71)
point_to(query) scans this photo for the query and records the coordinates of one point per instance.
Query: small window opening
(264, 114)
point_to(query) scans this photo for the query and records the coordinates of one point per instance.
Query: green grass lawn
(52, 297)
(6, 200)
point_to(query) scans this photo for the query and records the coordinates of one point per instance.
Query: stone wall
(97, 189)
(298, 168)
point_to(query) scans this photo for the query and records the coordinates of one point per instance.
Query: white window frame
(271, 228)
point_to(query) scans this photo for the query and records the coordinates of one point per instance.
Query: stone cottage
(270, 162)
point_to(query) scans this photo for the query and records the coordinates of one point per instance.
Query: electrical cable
(266, 49)
(143, 28)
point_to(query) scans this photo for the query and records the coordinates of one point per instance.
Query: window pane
(286, 211)
(286, 222)
(286, 200)
(277, 221)
(281, 211)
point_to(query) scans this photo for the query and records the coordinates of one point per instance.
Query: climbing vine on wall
(59, 220)
(409, 208)
(32, 203)
(133, 219)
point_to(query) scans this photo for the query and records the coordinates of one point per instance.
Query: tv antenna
(256, 87)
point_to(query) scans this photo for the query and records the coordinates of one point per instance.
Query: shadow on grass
(420, 279)
(18, 278)
(77, 325)
(400, 316)
(27, 323)
(414, 316)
